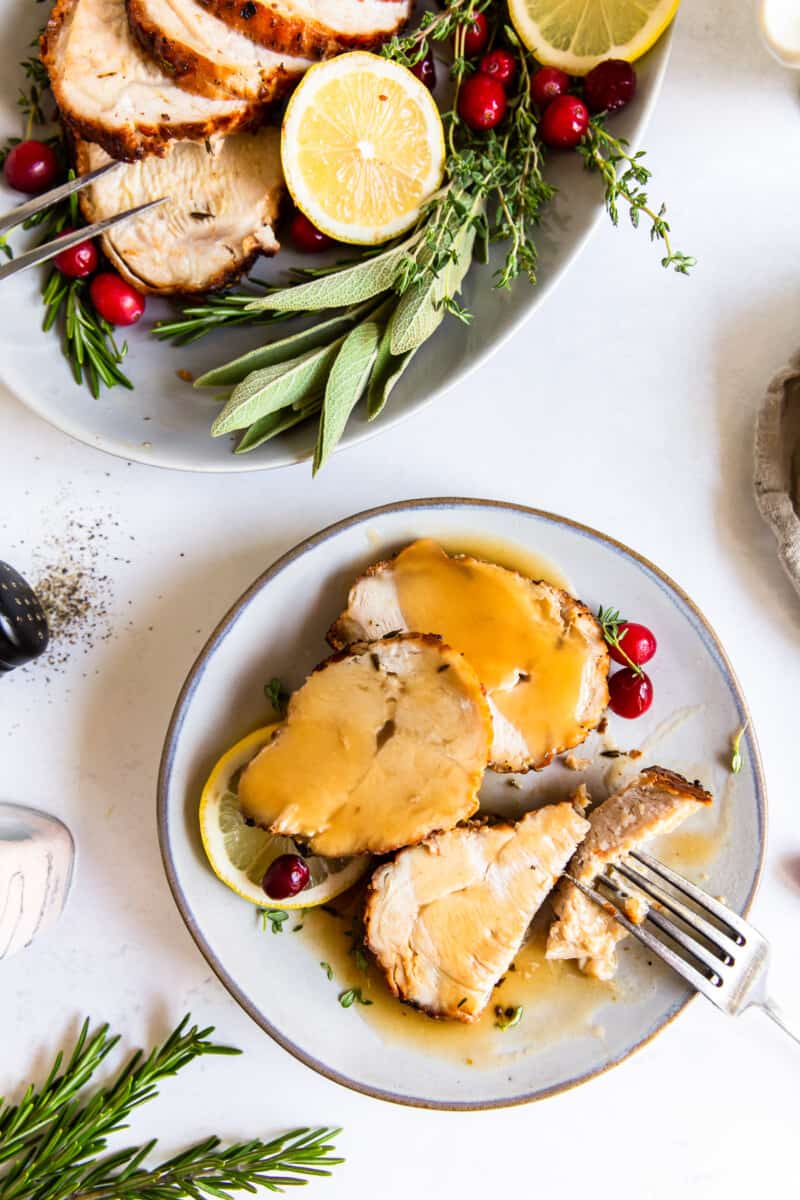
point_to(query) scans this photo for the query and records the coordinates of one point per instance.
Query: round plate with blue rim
(278, 628)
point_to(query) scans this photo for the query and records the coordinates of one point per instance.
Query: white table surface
(627, 403)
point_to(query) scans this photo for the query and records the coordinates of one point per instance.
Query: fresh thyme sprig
(625, 177)
(53, 1143)
(610, 622)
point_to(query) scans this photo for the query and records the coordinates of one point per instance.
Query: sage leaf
(422, 308)
(269, 427)
(277, 352)
(386, 372)
(351, 285)
(279, 386)
(345, 386)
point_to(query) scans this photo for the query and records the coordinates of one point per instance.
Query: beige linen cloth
(776, 473)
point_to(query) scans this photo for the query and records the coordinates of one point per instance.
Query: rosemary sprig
(610, 622)
(216, 312)
(53, 1143)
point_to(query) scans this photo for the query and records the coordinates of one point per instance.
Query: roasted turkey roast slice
(383, 745)
(652, 804)
(538, 651)
(446, 919)
(223, 201)
(110, 92)
(204, 55)
(316, 28)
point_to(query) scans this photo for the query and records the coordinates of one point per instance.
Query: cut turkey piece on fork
(714, 949)
(30, 208)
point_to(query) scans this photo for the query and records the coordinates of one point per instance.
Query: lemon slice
(362, 147)
(239, 854)
(576, 35)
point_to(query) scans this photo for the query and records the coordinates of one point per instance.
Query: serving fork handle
(776, 1014)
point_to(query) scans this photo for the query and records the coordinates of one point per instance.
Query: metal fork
(708, 944)
(30, 208)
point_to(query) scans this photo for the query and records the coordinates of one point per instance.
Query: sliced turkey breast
(109, 92)
(446, 919)
(223, 199)
(652, 804)
(317, 28)
(382, 745)
(204, 55)
(538, 651)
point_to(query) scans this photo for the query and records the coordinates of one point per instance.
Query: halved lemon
(239, 853)
(576, 35)
(362, 147)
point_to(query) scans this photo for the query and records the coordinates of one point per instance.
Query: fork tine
(723, 945)
(40, 254)
(31, 207)
(696, 978)
(738, 930)
(702, 956)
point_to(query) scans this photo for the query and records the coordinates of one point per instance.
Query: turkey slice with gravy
(652, 804)
(383, 745)
(537, 650)
(446, 919)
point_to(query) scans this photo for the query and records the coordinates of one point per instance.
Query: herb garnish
(328, 969)
(277, 695)
(509, 1017)
(348, 998)
(736, 749)
(276, 918)
(53, 1144)
(610, 622)
(386, 305)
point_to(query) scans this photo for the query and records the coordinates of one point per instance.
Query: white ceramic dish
(165, 422)
(277, 628)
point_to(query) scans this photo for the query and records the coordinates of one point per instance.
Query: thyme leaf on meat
(611, 624)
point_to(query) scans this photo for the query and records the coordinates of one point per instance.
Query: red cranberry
(547, 84)
(425, 71)
(631, 694)
(476, 35)
(306, 237)
(115, 300)
(285, 877)
(79, 261)
(610, 85)
(564, 122)
(638, 643)
(481, 102)
(500, 65)
(31, 167)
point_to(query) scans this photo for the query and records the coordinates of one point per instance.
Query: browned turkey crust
(506, 758)
(196, 71)
(271, 26)
(144, 133)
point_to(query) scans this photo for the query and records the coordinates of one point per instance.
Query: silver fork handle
(776, 1014)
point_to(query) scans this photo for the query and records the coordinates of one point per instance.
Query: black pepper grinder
(23, 626)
